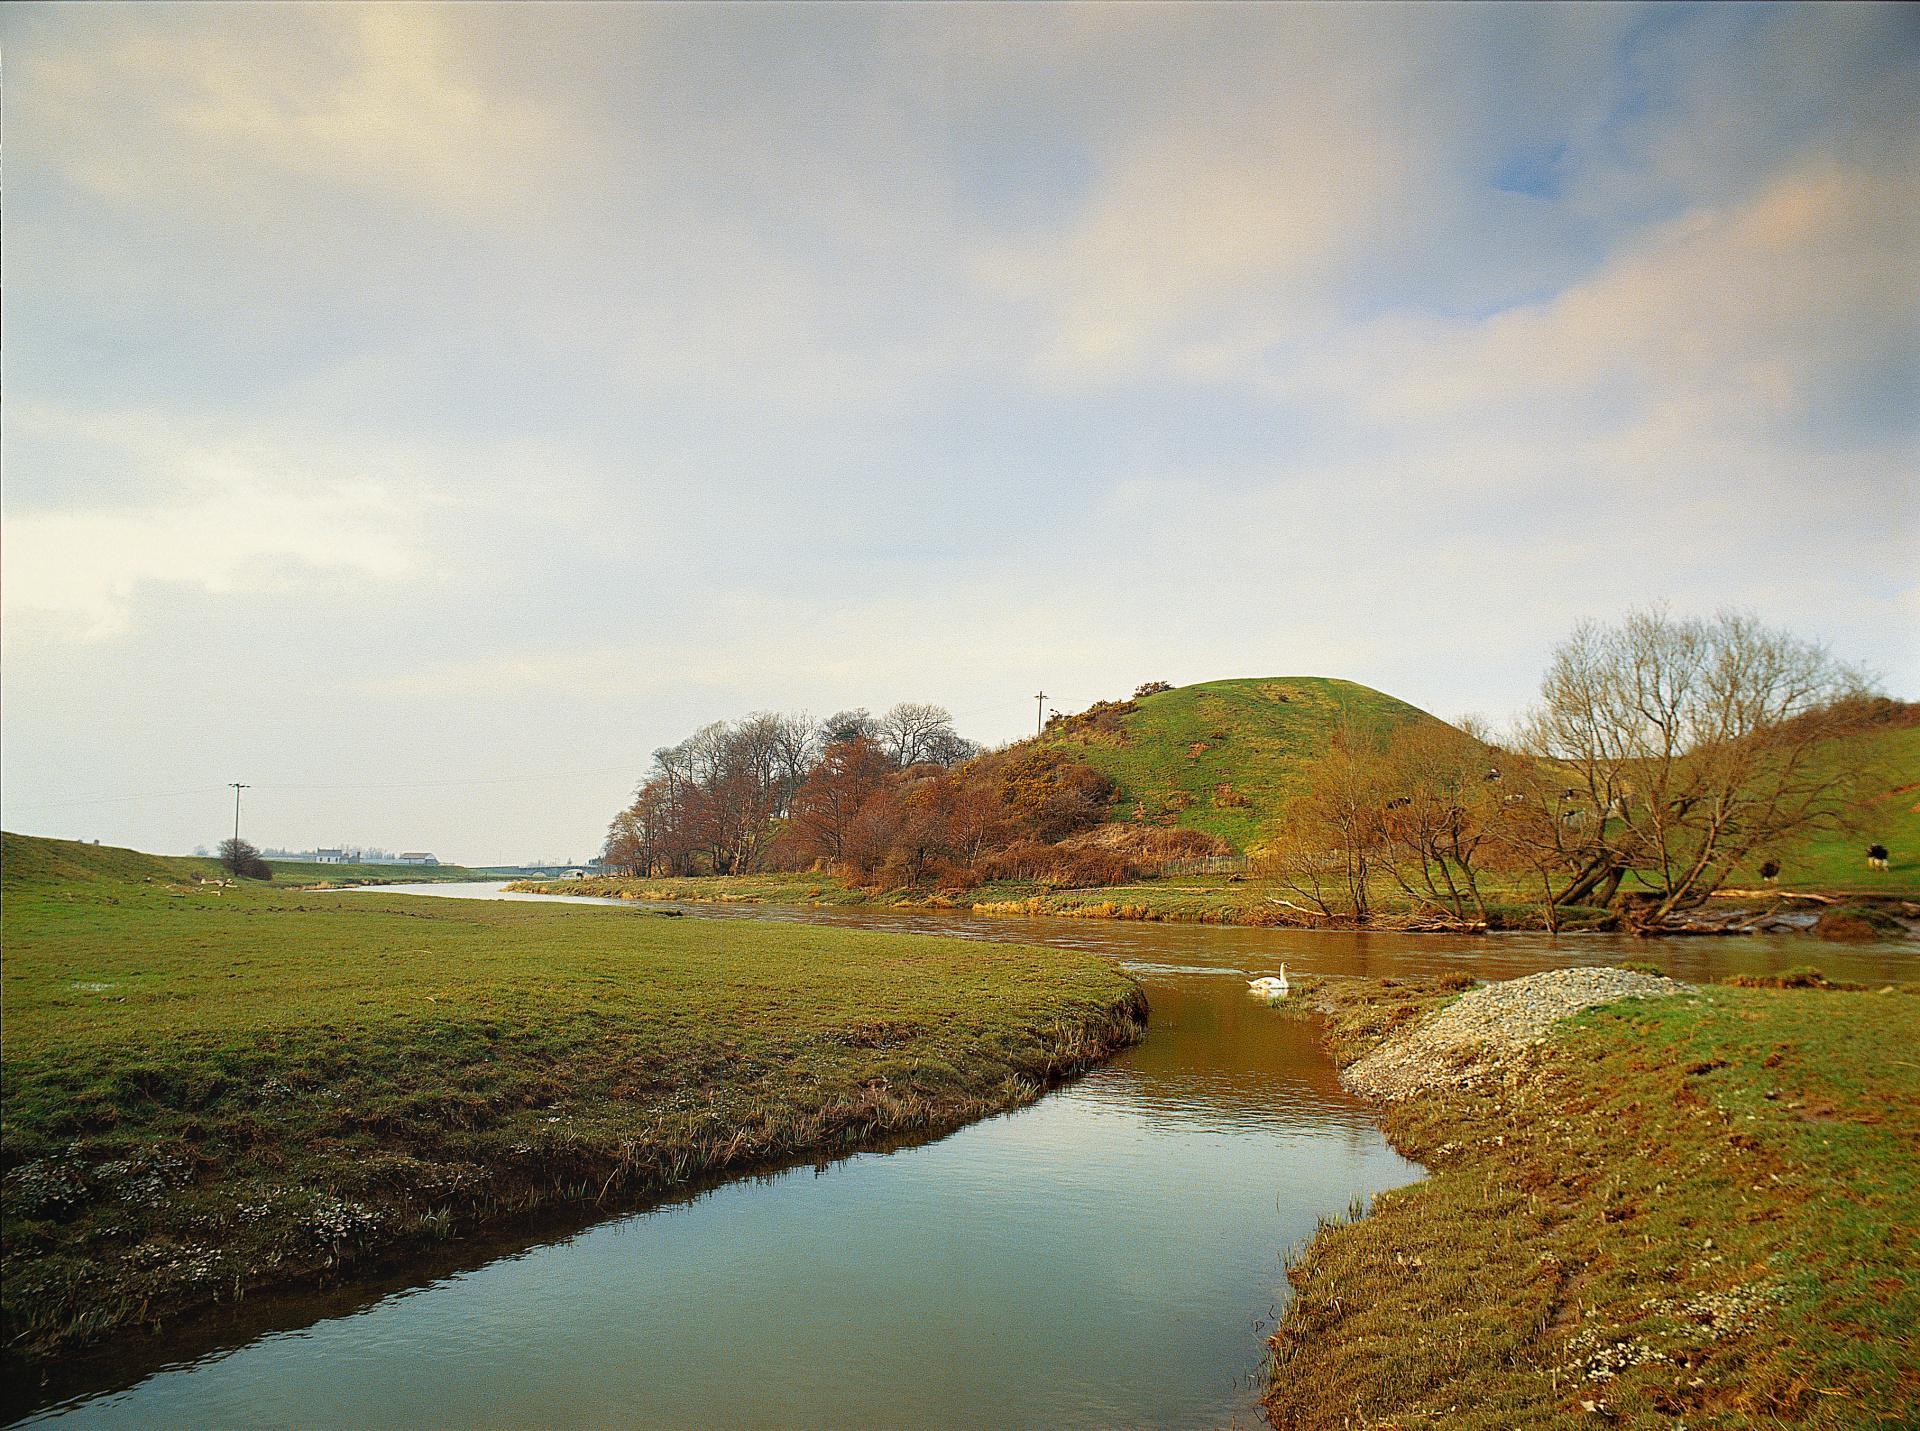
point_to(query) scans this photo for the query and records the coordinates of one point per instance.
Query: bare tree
(1684, 747)
(797, 749)
(1332, 837)
(242, 859)
(1436, 813)
(843, 726)
(912, 733)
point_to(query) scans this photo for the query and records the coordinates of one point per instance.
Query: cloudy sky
(423, 413)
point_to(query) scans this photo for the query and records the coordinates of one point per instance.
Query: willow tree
(1333, 835)
(1686, 747)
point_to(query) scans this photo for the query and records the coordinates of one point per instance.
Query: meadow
(32, 857)
(1694, 1210)
(211, 1089)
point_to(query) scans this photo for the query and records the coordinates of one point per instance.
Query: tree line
(1663, 755)
(899, 799)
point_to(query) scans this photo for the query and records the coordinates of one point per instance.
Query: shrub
(242, 859)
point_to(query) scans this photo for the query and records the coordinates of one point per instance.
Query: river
(1109, 1256)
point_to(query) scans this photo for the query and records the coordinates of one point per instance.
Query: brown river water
(1109, 1257)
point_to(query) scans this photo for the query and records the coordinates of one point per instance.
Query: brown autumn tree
(1332, 836)
(1437, 813)
(829, 799)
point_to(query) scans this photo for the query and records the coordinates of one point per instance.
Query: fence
(1208, 864)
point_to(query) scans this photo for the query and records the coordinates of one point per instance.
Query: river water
(1110, 1256)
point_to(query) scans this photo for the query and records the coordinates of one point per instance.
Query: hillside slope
(1836, 861)
(1226, 757)
(1221, 756)
(39, 859)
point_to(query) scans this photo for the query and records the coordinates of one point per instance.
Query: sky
(424, 413)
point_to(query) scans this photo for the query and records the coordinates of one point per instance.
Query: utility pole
(237, 788)
(1040, 713)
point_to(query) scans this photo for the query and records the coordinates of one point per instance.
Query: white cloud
(229, 516)
(368, 97)
(1247, 217)
(1728, 317)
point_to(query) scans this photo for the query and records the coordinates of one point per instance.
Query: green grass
(1175, 751)
(212, 1089)
(308, 872)
(1712, 1197)
(29, 857)
(1836, 863)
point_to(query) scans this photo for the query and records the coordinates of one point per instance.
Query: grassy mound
(211, 1089)
(1222, 756)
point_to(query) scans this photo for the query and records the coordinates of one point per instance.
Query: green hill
(1836, 862)
(1221, 756)
(1226, 756)
(32, 858)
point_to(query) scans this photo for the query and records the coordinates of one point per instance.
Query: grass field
(38, 858)
(1225, 756)
(211, 1089)
(1691, 1211)
(1836, 863)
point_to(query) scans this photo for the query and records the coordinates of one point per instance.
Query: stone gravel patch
(1491, 1026)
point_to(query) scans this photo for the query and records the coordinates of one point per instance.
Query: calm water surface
(1107, 1257)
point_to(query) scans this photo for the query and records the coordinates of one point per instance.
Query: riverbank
(1244, 901)
(215, 1090)
(1694, 1209)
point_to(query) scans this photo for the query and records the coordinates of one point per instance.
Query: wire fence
(1207, 864)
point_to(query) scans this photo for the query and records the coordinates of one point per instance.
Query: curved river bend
(1109, 1256)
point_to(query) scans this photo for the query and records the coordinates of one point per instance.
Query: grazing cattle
(1492, 775)
(1770, 872)
(1876, 857)
(1398, 802)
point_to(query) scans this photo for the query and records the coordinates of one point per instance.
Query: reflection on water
(1106, 1257)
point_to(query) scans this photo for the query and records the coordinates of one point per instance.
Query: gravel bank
(1489, 1027)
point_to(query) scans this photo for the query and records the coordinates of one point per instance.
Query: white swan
(1273, 986)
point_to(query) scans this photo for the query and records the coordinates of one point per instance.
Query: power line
(388, 785)
(601, 773)
(117, 799)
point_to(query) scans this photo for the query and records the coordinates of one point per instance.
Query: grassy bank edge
(1692, 1211)
(1219, 900)
(649, 1171)
(301, 1094)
